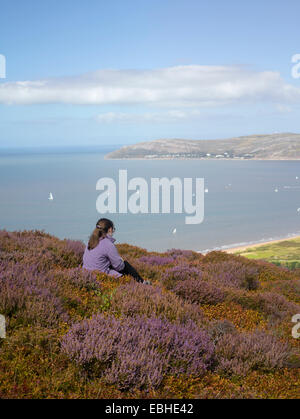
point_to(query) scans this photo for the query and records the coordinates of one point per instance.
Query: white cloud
(283, 108)
(180, 86)
(169, 116)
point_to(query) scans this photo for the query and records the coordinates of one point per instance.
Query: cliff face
(284, 146)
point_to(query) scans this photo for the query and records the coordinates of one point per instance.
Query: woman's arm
(115, 259)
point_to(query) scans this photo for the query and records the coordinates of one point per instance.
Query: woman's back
(103, 257)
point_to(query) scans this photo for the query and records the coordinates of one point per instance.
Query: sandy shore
(243, 248)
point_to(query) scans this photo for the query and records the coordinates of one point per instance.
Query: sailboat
(50, 196)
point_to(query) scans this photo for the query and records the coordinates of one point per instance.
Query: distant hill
(284, 146)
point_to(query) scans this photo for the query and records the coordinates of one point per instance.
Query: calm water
(247, 211)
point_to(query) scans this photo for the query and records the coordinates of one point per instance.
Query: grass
(285, 253)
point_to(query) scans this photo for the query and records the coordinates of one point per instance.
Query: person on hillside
(102, 255)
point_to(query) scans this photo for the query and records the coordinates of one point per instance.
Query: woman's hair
(102, 227)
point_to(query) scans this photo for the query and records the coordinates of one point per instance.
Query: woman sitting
(102, 255)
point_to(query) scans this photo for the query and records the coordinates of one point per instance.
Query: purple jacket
(104, 258)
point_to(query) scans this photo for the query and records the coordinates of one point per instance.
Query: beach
(249, 246)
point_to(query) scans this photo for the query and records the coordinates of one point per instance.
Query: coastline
(244, 246)
(199, 158)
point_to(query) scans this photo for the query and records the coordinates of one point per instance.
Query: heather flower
(41, 249)
(135, 299)
(156, 260)
(289, 289)
(31, 295)
(198, 291)
(179, 273)
(75, 246)
(275, 306)
(179, 253)
(233, 274)
(217, 256)
(239, 354)
(79, 277)
(138, 352)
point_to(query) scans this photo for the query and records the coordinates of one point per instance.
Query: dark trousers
(129, 270)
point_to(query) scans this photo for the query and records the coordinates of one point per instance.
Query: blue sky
(123, 71)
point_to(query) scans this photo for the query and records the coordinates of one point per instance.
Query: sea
(246, 201)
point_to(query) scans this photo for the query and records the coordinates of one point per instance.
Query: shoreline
(243, 247)
(199, 158)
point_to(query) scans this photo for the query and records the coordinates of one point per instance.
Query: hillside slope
(269, 147)
(210, 326)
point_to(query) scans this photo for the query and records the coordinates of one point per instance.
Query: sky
(101, 72)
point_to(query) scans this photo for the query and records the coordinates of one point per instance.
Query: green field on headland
(285, 253)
